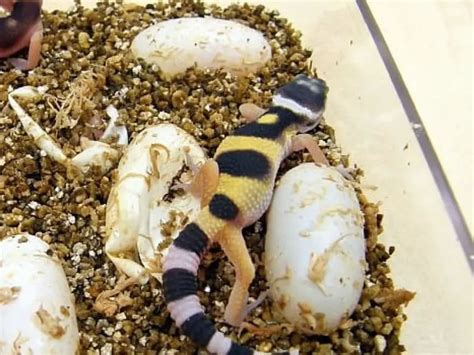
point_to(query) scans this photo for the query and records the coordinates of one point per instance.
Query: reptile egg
(36, 306)
(177, 44)
(315, 248)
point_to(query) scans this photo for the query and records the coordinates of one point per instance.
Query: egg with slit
(315, 248)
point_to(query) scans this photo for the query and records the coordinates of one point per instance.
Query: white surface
(206, 42)
(43, 294)
(436, 63)
(315, 248)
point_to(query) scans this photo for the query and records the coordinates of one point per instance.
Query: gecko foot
(249, 308)
(266, 330)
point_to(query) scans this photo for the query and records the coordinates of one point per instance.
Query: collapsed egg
(144, 214)
(177, 44)
(315, 248)
(37, 314)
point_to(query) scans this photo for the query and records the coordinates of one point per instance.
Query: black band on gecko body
(272, 131)
(178, 283)
(192, 238)
(199, 329)
(236, 349)
(244, 163)
(223, 207)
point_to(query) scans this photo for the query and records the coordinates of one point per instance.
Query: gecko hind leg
(233, 244)
(204, 183)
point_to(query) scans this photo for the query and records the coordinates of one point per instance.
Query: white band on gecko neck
(292, 105)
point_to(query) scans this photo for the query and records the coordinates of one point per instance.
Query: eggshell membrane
(96, 154)
(177, 44)
(137, 208)
(315, 248)
(37, 314)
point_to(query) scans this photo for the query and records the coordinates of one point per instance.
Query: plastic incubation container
(375, 124)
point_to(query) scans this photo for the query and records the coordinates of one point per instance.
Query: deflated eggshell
(140, 202)
(315, 248)
(37, 313)
(177, 44)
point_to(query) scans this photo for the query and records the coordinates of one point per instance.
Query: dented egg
(315, 248)
(37, 314)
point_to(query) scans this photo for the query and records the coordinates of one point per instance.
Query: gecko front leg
(306, 141)
(250, 112)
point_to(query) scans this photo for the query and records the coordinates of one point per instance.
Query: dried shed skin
(8, 294)
(94, 154)
(67, 208)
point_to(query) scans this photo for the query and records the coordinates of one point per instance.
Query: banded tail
(180, 290)
(180, 287)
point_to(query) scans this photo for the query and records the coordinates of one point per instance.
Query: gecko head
(306, 97)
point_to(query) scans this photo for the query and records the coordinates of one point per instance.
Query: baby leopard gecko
(21, 29)
(236, 189)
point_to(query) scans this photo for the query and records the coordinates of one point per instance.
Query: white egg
(37, 313)
(315, 248)
(177, 44)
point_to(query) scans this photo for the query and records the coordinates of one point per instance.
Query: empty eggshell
(315, 248)
(177, 44)
(140, 202)
(37, 313)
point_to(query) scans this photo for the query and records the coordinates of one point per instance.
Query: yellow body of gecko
(236, 190)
